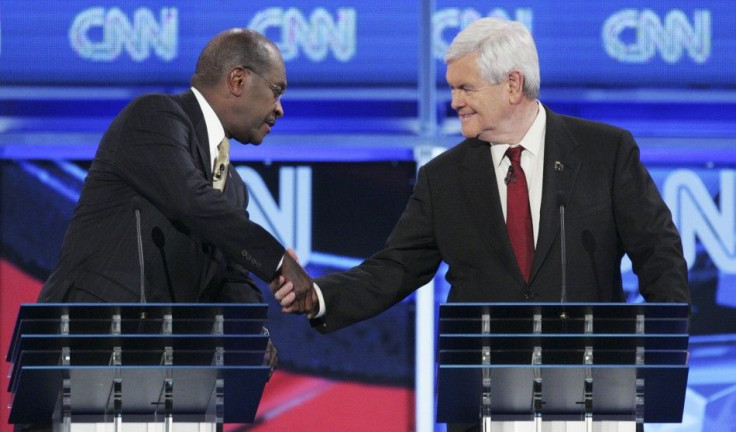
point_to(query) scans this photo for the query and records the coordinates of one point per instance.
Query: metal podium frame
(535, 361)
(105, 363)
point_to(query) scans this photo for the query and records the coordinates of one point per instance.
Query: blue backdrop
(674, 43)
(662, 69)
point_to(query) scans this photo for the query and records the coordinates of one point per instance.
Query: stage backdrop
(334, 175)
(680, 43)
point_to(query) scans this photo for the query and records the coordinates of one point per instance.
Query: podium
(156, 363)
(562, 362)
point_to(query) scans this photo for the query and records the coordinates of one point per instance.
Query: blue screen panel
(675, 43)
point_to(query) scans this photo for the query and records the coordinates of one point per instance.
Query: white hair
(502, 46)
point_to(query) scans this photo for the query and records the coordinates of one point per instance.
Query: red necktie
(518, 213)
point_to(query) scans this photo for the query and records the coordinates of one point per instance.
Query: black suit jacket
(199, 244)
(455, 215)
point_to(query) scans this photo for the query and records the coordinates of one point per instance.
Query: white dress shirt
(532, 162)
(215, 131)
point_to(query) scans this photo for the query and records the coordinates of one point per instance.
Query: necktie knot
(514, 153)
(223, 148)
(222, 160)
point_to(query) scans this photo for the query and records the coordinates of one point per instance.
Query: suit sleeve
(238, 287)
(155, 157)
(409, 261)
(644, 223)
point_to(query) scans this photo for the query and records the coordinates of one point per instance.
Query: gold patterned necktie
(221, 162)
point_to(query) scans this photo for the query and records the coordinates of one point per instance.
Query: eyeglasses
(277, 90)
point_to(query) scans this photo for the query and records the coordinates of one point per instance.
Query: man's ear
(516, 86)
(237, 79)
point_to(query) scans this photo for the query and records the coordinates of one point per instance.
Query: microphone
(136, 203)
(562, 202)
(509, 175)
(158, 239)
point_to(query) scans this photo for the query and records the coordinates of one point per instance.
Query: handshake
(293, 288)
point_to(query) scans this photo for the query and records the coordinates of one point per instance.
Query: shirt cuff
(322, 306)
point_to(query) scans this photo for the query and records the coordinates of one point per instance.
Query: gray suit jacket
(455, 215)
(199, 244)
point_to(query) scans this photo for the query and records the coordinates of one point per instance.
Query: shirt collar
(532, 140)
(215, 131)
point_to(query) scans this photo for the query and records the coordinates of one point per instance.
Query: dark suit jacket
(198, 243)
(454, 215)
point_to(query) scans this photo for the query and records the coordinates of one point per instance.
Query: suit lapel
(202, 145)
(560, 172)
(478, 180)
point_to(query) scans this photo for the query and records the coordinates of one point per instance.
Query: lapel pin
(558, 166)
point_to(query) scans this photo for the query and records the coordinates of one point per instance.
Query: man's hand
(283, 291)
(293, 287)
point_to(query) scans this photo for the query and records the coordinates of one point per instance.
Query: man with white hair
(465, 209)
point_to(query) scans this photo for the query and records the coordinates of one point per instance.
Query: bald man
(160, 157)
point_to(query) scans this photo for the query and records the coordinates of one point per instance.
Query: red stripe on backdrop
(311, 404)
(290, 401)
(15, 288)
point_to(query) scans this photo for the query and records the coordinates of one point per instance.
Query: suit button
(529, 295)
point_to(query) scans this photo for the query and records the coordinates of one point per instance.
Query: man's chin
(469, 133)
(258, 138)
(255, 140)
(469, 130)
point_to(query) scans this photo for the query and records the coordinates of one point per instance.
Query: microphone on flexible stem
(562, 202)
(136, 203)
(160, 242)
